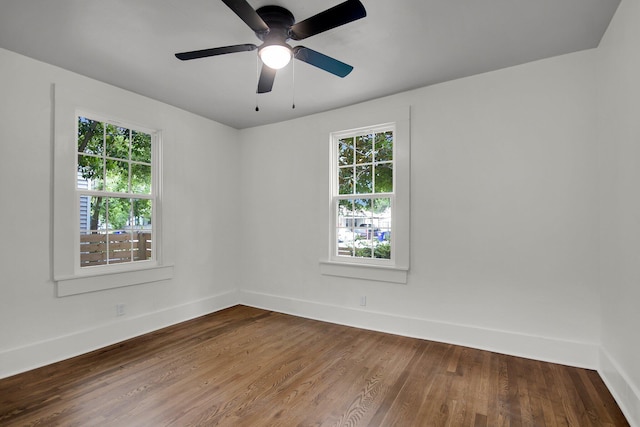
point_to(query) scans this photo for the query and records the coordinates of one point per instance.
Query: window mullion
(129, 160)
(364, 196)
(98, 193)
(107, 237)
(131, 222)
(373, 163)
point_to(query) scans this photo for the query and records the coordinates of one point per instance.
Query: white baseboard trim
(624, 392)
(21, 359)
(584, 355)
(578, 354)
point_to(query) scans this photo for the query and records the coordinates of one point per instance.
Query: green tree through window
(364, 194)
(114, 169)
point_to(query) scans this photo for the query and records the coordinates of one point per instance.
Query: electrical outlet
(363, 300)
(119, 309)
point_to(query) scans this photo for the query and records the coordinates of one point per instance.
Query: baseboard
(626, 394)
(584, 355)
(17, 360)
(578, 354)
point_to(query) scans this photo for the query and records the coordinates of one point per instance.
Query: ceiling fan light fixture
(275, 25)
(275, 56)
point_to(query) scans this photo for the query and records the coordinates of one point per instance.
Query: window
(106, 187)
(369, 210)
(363, 194)
(115, 194)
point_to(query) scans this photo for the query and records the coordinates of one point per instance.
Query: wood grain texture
(249, 367)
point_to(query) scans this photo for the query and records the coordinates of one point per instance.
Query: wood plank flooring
(249, 367)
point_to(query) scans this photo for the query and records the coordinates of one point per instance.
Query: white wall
(504, 215)
(199, 206)
(619, 101)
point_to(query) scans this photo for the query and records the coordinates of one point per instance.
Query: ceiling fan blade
(341, 14)
(247, 14)
(322, 61)
(267, 76)
(195, 54)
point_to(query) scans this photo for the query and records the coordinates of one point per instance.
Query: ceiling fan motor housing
(279, 21)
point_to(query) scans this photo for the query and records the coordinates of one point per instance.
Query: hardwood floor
(249, 367)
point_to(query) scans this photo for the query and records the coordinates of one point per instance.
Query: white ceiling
(400, 45)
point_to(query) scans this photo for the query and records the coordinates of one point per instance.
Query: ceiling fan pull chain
(293, 84)
(257, 79)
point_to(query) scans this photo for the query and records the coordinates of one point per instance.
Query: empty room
(361, 212)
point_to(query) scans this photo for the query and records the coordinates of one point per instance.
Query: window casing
(121, 110)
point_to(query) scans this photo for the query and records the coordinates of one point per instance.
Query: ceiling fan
(275, 26)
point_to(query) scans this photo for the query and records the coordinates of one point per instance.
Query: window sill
(74, 285)
(365, 272)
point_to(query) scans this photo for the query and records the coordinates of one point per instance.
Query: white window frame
(396, 269)
(156, 171)
(335, 196)
(124, 109)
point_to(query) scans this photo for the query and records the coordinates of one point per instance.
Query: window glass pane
(141, 214)
(97, 214)
(364, 230)
(140, 179)
(118, 213)
(345, 214)
(140, 147)
(93, 242)
(364, 179)
(384, 178)
(363, 248)
(345, 241)
(382, 227)
(345, 235)
(345, 152)
(117, 176)
(364, 149)
(85, 214)
(90, 172)
(117, 142)
(119, 238)
(384, 146)
(141, 226)
(142, 245)
(382, 207)
(93, 249)
(120, 247)
(90, 136)
(345, 244)
(362, 215)
(361, 206)
(345, 180)
(383, 245)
